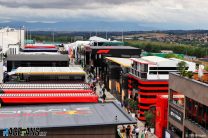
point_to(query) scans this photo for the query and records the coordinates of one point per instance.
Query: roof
(112, 47)
(179, 60)
(155, 59)
(204, 59)
(38, 57)
(45, 97)
(64, 115)
(125, 62)
(44, 86)
(98, 39)
(140, 60)
(40, 49)
(50, 70)
(151, 60)
(40, 44)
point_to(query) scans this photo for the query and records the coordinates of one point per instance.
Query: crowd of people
(133, 131)
(93, 80)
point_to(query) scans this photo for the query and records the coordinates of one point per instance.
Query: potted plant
(182, 68)
(189, 74)
(150, 120)
(133, 105)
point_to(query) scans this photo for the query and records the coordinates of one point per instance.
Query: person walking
(104, 97)
(142, 135)
(146, 133)
(137, 131)
(91, 86)
(103, 89)
(94, 88)
(133, 133)
(101, 92)
(123, 131)
(128, 128)
(100, 83)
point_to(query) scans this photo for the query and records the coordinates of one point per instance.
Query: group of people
(134, 131)
(93, 80)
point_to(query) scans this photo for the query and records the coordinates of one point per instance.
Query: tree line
(155, 47)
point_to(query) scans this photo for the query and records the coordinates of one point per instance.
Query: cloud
(64, 4)
(172, 12)
(49, 22)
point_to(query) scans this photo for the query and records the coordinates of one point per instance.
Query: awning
(125, 62)
(12, 72)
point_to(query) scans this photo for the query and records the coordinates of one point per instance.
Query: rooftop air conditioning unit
(13, 50)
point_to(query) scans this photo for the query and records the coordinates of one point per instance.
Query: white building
(11, 36)
(1, 67)
(157, 68)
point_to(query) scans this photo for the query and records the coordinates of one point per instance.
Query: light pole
(1, 63)
(53, 36)
(2, 40)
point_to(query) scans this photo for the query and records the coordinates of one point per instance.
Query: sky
(142, 14)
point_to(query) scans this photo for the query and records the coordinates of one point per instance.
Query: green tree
(150, 118)
(206, 68)
(182, 68)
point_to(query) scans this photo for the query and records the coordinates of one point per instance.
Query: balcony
(197, 90)
(197, 119)
(141, 75)
(147, 100)
(195, 127)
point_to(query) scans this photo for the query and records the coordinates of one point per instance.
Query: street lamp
(2, 41)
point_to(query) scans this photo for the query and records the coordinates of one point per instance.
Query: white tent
(12, 72)
(98, 39)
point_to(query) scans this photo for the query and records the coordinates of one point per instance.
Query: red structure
(40, 46)
(19, 91)
(49, 98)
(161, 115)
(46, 93)
(148, 91)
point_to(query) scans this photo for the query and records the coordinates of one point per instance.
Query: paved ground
(110, 98)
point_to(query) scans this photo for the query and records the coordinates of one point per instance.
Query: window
(144, 68)
(160, 72)
(175, 130)
(138, 66)
(153, 72)
(143, 75)
(163, 68)
(177, 98)
(196, 112)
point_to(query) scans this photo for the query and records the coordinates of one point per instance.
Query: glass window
(177, 98)
(138, 66)
(142, 68)
(144, 75)
(197, 113)
(145, 67)
(175, 130)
